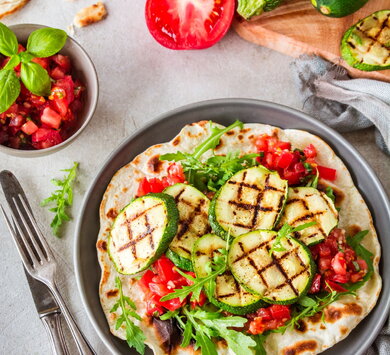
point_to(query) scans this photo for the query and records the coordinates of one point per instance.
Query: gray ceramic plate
(225, 111)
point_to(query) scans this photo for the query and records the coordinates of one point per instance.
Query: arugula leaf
(61, 198)
(259, 347)
(35, 78)
(329, 192)
(216, 170)
(285, 232)
(8, 41)
(46, 42)
(210, 324)
(169, 315)
(313, 182)
(9, 89)
(134, 335)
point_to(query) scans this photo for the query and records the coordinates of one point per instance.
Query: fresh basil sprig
(41, 43)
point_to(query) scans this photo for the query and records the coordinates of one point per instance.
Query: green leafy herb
(8, 41)
(9, 89)
(134, 335)
(355, 243)
(313, 181)
(216, 170)
(46, 42)
(329, 192)
(41, 43)
(250, 8)
(259, 347)
(213, 324)
(61, 198)
(217, 267)
(285, 232)
(35, 78)
(169, 315)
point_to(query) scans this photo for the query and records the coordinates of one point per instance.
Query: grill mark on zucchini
(133, 242)
(251, 250)
(138, 215)
(185, 224)
(239, 191)
(248, 207)
(306, 216)
(177, 197)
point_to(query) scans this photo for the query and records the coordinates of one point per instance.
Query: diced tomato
(261, 143)
(176, 169)
(43, 62)
(280, 312)
(202, 300)
(29, 127)
(285, 159)
(45, 138)
(334, 286)
(60, 106)
(146, 279)
(57, 73)
(316, 284)
(326, 173)
(324, 264)
(310, 151)
(292, 177)
(165, 269)
(362, 264)
(283, 145)
(51, 118)
(62, 61)
(159, 289)
(17, 121)
(339, 264)
(324, 250)
(268, 318)
(272, 143)
(67, 85)
(299, 168)
(341, 278)
(356, 277)
(21, 48)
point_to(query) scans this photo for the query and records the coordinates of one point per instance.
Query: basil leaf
(25, 57)
(9, 89)
(8, 41)
(12, 63)
(46, 42)
(35, 78)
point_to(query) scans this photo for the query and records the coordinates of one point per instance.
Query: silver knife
(49, 313)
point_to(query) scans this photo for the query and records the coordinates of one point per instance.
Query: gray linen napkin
(345, 104)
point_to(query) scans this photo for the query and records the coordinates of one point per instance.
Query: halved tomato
(189, 24)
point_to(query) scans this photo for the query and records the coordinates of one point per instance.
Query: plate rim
(220, 102)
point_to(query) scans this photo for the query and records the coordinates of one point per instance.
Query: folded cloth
(345, 104)
(382, 342)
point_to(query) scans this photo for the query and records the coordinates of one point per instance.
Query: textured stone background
(138, 80)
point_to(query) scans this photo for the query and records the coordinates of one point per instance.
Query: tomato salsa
(38, 122)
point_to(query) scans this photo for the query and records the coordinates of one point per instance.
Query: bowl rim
(105, 337)
(46, 151)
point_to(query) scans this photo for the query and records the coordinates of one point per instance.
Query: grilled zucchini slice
(142, 232)
(366, 45)
(281, 277)
(251, 199)
(306, 204)
(229, 295)
(193, 208)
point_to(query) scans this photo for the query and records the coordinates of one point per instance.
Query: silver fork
(38, 259)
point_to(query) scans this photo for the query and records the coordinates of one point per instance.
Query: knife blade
(42, 297)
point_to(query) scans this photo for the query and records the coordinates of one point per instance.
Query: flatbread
(8, 7)
(313, 336)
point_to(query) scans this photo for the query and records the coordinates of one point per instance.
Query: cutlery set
(40, 267)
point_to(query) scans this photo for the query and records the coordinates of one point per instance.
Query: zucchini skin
(216, 227)
(238, 310)
(312, 268)
(179, 261)
(169, 231)
(337, 8)
(349, 57)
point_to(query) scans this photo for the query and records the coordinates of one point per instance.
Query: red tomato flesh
(188, 24)
(268, 318)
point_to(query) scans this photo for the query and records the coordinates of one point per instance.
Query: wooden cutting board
(296, 28)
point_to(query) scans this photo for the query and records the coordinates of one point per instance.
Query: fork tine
(37, 247)
(22, 253)
(38, 232)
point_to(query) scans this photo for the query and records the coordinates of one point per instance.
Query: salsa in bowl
(39, 124)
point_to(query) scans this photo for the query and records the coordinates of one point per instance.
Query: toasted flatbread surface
(314, 336)
(8, 7)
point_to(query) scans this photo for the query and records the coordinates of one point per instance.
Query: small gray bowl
(84, 70)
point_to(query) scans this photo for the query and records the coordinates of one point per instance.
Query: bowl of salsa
(39, 125)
